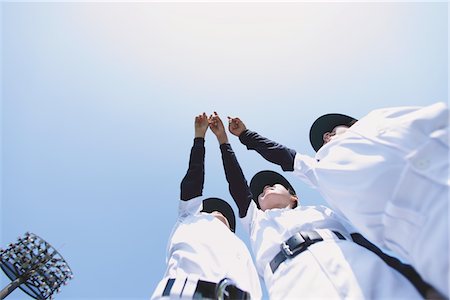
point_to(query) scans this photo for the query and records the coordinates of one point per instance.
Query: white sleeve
(190, 207)
(304, 168)
(185, 209)
(249, 219)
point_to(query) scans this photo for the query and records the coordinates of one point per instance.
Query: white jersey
(202, 247)
(389, 175)
(333, 268)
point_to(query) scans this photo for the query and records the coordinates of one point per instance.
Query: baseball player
(304, 252)
(205, 259)
(388, 173)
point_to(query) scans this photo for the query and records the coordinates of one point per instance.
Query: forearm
(222, 139)
(192, 183)
(237, 183)
(270, 150)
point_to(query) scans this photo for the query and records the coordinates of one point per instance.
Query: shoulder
(190, 207)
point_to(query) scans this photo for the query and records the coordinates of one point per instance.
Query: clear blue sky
(98, 104)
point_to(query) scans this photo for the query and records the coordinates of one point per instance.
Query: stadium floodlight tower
(34, 266)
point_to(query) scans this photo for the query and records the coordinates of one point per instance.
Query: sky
(98, 104)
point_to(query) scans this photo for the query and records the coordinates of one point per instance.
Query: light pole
(34, 266)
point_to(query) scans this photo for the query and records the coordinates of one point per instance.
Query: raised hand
(236, 126)
(201, 125)
(216, 126)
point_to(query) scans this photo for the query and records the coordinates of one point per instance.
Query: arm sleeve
(237, 183)
(192, 183)
(270, 150)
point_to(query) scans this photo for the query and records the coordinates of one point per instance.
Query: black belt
(425, 289)
(300, 241)
(296, 244)
(225, 289)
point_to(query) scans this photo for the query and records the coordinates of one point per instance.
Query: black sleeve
(270, 150)
(237, 183)
(192, 183)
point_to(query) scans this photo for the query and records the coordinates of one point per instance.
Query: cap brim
(217, 204)
(326, 123)
(263, 178)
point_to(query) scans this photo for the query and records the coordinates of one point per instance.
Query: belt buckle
(286, 250)
(300, 243)
(221, 292)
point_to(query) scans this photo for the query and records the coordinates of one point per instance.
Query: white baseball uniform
(389, 175)
(202, 247)
(332, 268)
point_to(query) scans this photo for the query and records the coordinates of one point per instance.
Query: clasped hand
(214, 122)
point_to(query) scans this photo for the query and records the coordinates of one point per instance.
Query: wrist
(222, 139)
(242, 132)
(200, 134)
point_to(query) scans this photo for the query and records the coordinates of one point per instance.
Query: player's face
(218, 215)
(338, 130)
(275, 196)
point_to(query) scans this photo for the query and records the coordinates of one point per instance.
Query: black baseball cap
(267, 177)
(217, 204)
(326, 123)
